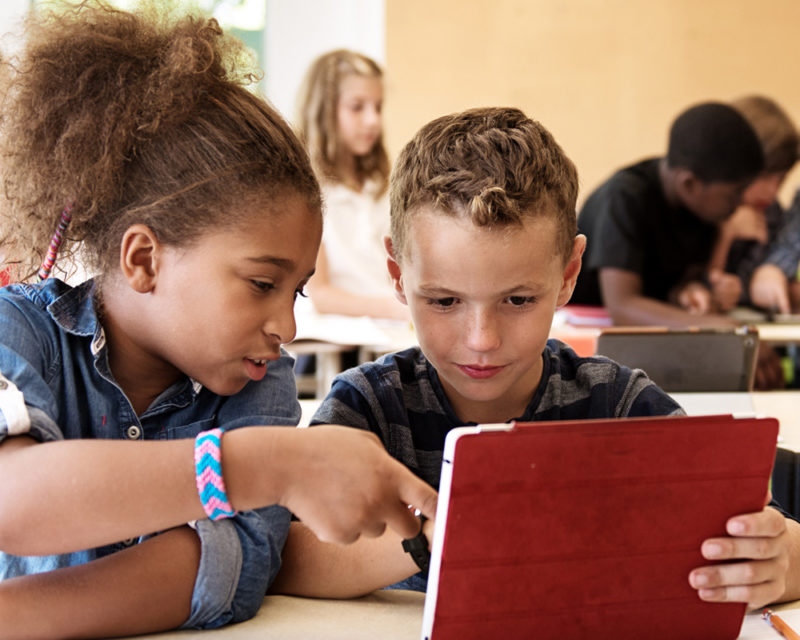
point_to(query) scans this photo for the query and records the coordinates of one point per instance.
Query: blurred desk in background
(328, 336)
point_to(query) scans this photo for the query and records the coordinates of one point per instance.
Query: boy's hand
(341, 483)
(726, 289)
(695, 297)
(758, 548)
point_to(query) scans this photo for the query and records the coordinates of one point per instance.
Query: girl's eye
(262, 286)
(519, 301)
(442, 302)
(300, 292)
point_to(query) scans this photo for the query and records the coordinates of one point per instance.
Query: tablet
(589, 529)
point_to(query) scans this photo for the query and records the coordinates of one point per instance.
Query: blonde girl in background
(340, 122)
(135, 402)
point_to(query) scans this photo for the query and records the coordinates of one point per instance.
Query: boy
(483, 250)
(651, 227)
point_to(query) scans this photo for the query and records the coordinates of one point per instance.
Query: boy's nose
(483, 333)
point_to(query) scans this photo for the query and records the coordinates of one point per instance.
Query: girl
(341, 124)
(134, 135)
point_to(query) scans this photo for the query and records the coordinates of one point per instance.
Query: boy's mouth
(480, 371)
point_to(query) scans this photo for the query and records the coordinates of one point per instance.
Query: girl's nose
(281, 324)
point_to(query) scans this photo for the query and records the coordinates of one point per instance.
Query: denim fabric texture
(52, 347)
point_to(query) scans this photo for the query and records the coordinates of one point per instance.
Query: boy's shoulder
(399, 388)
(576, 388)
(390, 370)
(641, 178)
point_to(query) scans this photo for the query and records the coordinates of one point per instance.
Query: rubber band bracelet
(208, 470)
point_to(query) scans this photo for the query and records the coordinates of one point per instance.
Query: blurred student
(483, 250)
(775, 285)
(747, 240)
(340, 121)
(651, 228)
(138, 401)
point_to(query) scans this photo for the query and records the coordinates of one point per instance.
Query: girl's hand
(342, 483)
(769, 289)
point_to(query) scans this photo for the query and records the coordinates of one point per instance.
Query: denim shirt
(53, 350)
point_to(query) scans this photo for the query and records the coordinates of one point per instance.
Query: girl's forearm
(66, 496)
(143, 589)
(70, 495)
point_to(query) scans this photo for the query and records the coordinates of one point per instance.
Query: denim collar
(73, 309)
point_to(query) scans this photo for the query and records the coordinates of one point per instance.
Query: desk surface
(388, 615)
(384, 615)
(783, 405)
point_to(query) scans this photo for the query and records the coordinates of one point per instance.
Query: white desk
(783, 405)
(382, 615)
(328, 335)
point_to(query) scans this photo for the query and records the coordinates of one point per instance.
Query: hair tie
(55, 243)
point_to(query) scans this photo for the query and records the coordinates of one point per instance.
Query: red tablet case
(589, 529)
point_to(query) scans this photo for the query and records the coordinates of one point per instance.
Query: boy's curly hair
(494, 166)
(134, 118)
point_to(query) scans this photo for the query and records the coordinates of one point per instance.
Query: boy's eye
(519, 301)
(442, 302)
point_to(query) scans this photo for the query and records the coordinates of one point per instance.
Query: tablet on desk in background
(686, 360)
(589, 529)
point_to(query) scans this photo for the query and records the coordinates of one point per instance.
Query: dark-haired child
(135, 403)
(651, 227)
(483, 250)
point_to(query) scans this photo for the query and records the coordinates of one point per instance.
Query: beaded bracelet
(208, 469)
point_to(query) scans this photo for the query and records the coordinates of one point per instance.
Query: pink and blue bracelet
(208, 470)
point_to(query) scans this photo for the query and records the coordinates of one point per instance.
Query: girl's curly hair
(134, 118)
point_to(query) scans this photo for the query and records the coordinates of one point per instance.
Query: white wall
(297, 31)
(11, 12)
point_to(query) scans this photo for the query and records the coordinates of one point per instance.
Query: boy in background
(652, 226)
(483, 250)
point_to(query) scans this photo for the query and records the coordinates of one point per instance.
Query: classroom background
(605, 76)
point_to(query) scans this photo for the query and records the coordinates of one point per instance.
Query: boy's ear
(395, 272)
(571, 270)
(686, 183)
(138, 259)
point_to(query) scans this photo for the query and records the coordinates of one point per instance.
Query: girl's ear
(571, 270)
(395, 272)
(138, 258)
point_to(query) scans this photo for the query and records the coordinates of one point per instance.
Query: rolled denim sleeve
(239, 559)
